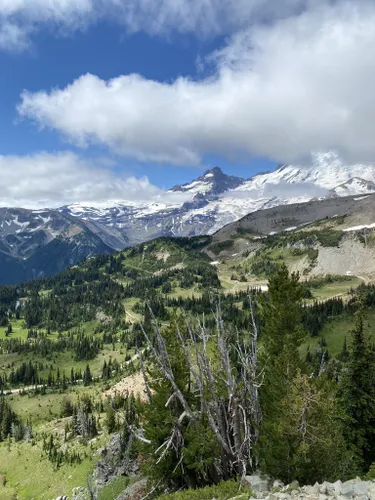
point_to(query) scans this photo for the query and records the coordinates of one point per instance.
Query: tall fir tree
(282, 334)
(358, 395)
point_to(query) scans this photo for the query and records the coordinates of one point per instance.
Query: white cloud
(281, 190)
(53, 180)
(157, 17)
(279, 90)
(12, 37)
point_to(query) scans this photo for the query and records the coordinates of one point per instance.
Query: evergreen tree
(358, 396)
(282, 335)
(111, 419)
(87, 377)
(160, 418)
(191, 461)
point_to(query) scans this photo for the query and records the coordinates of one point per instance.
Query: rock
(334, 489)
(371, 491)
(257, 483)
(111, 465)
(354, 487)
(133, 491)
(278, 484)
(311, 490)
(324, 488)
(294, 485)
(80, 493)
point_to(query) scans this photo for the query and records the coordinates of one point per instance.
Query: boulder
(258, 483)
(277, 485)
(354, 488)
(134, 491)
(334, 489)
(311, 490)
(294, 485)
(80, 493)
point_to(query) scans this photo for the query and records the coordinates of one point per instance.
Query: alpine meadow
(187, 250)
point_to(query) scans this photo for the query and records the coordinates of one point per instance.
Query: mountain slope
(29, 239)
(35, 243)
(334, 236)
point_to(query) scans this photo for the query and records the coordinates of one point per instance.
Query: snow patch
(358, 228)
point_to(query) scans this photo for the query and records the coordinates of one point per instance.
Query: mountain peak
(214, 181)
(213, 171)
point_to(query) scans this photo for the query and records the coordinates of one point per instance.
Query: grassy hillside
(74, 336)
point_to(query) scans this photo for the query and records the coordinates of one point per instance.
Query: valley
(70, 343)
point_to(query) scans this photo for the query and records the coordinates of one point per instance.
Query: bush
(222, 491)
(329, 238)
(216, 248)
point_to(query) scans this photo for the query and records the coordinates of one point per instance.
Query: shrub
(221, 245)
(222, 491)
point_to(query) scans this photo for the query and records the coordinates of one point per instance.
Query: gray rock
(311, 490)
(354, 487)
(294, 485)
(80, 493)
(278, 484)
(257, 483)
(135, 490)
(324, 488)
(335, 488)
(323, 496)
(371, 491)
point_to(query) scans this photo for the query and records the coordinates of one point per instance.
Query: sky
(123, 99)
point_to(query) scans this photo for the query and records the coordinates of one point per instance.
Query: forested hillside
(152, 371)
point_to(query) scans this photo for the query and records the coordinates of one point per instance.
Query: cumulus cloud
(53, 180)
(280, 90)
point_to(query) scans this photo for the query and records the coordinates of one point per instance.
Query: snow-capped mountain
(212, 182)
(216, 199)
(37, 242)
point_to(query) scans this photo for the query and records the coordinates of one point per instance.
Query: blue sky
(106, 51)
(138, 95)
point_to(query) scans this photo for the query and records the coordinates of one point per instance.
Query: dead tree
(227, 394)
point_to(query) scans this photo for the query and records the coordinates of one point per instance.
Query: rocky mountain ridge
(42, 242)
(264, 488)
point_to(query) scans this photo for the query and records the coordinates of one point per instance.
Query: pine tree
(358, 396)
(111, 419)
(282, 335)
(87, 377)
(344, 354)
